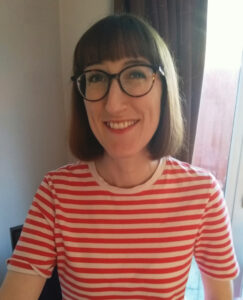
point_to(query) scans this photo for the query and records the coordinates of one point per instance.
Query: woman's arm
(215, 289)
(19, 286)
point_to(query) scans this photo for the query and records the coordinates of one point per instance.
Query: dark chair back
(52, 289)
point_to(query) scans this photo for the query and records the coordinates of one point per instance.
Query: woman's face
(124, 125)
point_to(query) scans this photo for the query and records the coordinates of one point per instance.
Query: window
(222, 64)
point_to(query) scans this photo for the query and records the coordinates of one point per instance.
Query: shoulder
(72, 169)
(68, 174)
(175, 166)
(186, 173)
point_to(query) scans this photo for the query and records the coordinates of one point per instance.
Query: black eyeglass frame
(117, 76)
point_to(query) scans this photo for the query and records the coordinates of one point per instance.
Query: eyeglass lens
(135, 81)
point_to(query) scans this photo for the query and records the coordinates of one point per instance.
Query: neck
(126, 172)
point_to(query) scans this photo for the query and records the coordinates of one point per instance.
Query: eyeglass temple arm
(161, 71)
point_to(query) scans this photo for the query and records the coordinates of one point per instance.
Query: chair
(52, 289)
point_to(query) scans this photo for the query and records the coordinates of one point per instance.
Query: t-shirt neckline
(138, 188)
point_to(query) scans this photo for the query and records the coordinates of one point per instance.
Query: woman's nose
(116, 99)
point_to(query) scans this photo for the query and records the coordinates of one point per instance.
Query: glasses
(136, 81)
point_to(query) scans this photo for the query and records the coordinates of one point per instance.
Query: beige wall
(36, 44)
(75, 17)
(31, 107)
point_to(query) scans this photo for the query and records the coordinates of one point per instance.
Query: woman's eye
(95, 78)
(137, 75)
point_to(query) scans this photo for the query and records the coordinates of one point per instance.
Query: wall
(75, 17)
(234, 187)
(37, 39)
(32, 129)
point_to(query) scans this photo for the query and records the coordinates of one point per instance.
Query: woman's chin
(126, 153)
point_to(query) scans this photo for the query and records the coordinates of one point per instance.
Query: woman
(124, 221)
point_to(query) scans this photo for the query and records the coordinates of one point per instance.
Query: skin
(18, 286)
(215, 289)
(126, 160)
(126, 163)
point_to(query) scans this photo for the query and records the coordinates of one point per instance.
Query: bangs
(114, 38)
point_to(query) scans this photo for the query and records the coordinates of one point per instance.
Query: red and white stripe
(137, 243)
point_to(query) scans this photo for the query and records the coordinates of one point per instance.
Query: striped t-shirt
(126, 243)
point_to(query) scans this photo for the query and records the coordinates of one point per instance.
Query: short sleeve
(35, 252)
(214, 251)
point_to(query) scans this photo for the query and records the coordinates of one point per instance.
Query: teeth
(120, 125)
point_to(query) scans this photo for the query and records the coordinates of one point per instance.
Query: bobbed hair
(113, 38)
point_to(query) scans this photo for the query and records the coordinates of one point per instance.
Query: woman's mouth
(120, 124)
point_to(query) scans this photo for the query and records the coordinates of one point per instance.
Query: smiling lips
(120, 125)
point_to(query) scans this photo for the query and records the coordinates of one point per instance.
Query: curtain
(182, 24)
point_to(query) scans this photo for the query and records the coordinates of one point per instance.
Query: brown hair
(112, 38)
